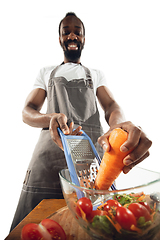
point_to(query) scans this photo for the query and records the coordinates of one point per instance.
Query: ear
(60, 41)
(84, 40)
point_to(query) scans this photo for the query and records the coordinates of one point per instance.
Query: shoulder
(96, 73)
(98, 77)
(45, 70)
(43, 77)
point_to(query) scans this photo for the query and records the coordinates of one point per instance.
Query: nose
(72, 36)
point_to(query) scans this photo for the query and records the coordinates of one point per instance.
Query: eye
(78, 33)
(65, 33)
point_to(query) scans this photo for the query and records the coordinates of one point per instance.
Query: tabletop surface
(44, 209)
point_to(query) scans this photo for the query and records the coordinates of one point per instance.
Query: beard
(73, 55)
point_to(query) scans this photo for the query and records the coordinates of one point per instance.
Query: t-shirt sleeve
(98, 78)
(40, 81)
(101, 79)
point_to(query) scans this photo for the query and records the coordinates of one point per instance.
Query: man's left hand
(137, 140)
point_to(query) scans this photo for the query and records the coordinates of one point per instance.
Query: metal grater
(84, 161)
(82, 158)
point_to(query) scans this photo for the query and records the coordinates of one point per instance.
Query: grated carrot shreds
(136, 229)
(137, 194)
(82, 213)
(111, 214)
(102, 205)
(126, 205)
(152, 216)
(116, 225)
(141, 198)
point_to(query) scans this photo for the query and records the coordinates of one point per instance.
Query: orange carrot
(136, 229)
(116, 225)
(112, 161)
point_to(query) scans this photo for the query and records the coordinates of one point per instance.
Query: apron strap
(54, 71)
(89, 81)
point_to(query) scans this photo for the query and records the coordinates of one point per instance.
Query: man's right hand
(60, 120)
(32, 116)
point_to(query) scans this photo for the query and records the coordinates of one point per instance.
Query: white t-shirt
(69, 71)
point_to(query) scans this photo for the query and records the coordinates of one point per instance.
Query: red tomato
(125, 218)
(139, 211)
(47, 230)
(95, 213)
(32, 231)
(55, 230)
(111, 203)
(145, 204)
(85, 204)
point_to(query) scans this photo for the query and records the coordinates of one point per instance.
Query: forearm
(34, 118)
(114, 115)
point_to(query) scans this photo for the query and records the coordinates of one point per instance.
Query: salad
(125, 216)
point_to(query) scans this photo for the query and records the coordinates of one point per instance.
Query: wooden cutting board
(72, 229)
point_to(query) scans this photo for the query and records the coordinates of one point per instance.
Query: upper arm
(36, 99)
(105, 97)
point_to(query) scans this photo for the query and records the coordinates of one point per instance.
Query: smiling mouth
(72, 46)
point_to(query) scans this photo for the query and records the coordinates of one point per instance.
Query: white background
(122, 40)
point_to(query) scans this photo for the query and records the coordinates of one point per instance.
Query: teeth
(72, 46)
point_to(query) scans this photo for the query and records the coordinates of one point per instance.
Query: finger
(54, 133)
(132, 141)
(77, 131)
(62, 122)
(126, 169)
(103, 141)
(71, 127)
(139, 151)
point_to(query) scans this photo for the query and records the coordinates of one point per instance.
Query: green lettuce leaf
(101, 223)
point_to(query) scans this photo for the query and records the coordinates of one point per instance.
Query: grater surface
(84, 160)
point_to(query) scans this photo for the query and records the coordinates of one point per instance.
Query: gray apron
(77, 101)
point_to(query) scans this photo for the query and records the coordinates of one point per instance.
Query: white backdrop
(122, 40)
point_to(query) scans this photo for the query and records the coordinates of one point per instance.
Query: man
(71, 90)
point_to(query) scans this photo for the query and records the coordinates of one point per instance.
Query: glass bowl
(139, 185)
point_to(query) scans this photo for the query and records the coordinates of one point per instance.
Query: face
(72, 39)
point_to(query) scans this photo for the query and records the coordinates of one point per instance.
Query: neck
(78, 61)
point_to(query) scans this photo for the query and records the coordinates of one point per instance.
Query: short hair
(71, 14)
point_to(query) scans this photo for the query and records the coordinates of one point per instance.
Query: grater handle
(70, 164)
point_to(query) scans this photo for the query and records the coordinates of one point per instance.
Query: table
(45, 208)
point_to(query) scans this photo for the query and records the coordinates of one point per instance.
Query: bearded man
(71, 90)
